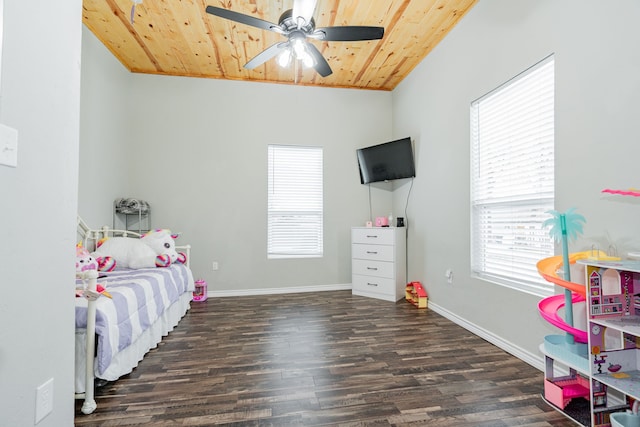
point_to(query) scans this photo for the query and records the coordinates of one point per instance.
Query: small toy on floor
(416, 294)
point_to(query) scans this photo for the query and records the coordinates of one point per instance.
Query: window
(294, 202)
(512, 179)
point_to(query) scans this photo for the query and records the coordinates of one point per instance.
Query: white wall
(199, 148)
(105, 114)
(597, 64)
(40, 97)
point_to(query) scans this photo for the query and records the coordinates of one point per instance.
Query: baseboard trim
(275, 291)
(535, 360)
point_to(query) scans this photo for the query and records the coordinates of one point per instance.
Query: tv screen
(385, 162)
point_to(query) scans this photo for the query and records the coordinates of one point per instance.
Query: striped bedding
(139, 298)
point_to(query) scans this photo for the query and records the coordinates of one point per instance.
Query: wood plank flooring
(323, 359)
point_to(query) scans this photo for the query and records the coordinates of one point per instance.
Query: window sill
(291, 256)
(537, 290)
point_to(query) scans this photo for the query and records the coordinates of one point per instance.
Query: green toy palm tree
(565, 226)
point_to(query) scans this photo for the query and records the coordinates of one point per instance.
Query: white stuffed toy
(154, 249)
(85, 262)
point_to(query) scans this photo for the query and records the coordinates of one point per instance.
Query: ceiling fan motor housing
(288, 23)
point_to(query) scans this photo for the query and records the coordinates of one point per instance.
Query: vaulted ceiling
(178, 38)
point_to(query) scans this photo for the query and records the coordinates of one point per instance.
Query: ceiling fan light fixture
(284, 59)
(307, 60)
(300, 52)
(299, 48)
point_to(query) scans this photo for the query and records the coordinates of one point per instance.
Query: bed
(114, 334)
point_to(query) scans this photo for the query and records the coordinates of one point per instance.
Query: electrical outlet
(449, 275)
(44, 400)
(215, 266)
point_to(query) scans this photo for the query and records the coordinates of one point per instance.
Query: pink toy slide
(549, 308)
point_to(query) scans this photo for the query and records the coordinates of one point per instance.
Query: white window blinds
(512, 179)
(295, 210)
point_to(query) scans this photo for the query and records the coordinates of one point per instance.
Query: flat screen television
(385, 162)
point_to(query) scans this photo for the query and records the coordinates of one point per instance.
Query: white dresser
(378, 262)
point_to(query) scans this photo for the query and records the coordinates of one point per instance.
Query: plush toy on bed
(154, 249)
(85, 262)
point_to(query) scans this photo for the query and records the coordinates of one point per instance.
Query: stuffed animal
(106, 263)
(85, 262)
(154, 249)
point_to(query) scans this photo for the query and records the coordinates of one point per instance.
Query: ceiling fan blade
(349, 33)
(242, 18)
(266, 55)
(304, 9)
(321, 64)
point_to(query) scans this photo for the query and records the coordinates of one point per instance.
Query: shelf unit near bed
(134, 215)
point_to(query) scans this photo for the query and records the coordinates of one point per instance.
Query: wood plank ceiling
(178, 38)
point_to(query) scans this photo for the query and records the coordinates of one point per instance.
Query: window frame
(289, 172)
(498, 261)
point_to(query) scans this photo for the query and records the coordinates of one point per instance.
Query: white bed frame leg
(89, 404)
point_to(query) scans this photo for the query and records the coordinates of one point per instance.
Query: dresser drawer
(372, 268)
(376, 236)
(378, 285)
(373, 252)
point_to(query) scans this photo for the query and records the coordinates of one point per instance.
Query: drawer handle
(372, 237)
(372, 268)
(372, 252)
(372, 284)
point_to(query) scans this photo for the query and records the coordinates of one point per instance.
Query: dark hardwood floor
(323, 359)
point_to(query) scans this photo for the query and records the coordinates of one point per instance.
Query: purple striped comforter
(139, 297)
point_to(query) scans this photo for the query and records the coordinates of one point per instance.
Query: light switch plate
(8, 146)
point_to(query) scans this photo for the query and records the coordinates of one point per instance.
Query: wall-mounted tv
(385, 162)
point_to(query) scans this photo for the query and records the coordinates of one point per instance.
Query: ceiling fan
(298, 25)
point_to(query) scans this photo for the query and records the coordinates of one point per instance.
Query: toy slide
(548, 267)
(549, 308)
